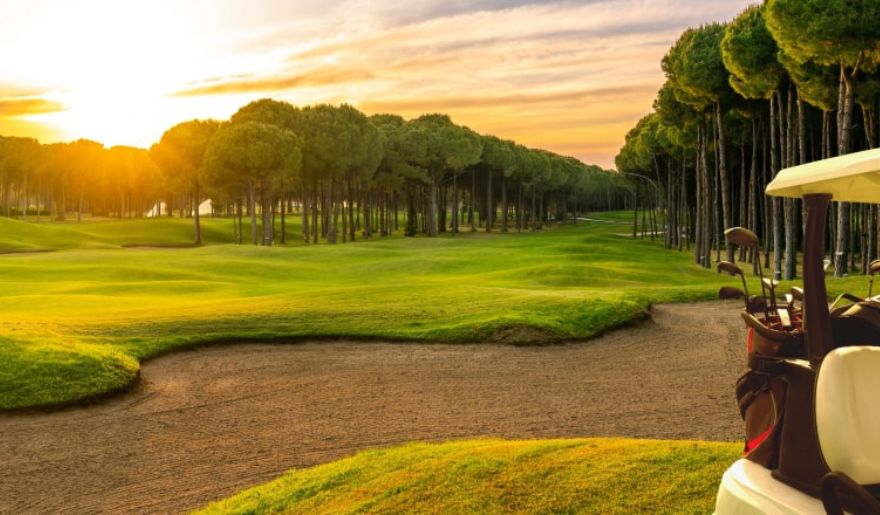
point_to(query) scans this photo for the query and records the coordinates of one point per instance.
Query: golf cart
(811, 397)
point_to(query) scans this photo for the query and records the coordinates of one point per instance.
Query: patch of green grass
(596, 475)
(74, 323)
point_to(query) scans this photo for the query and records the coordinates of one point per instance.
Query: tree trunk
(698, 180)
(532, 217)
(352, 229)
(490, 205)
(844, 130)
(24, 202)
(753, 204)
(777, 208)
(725, 181)
(197, 227)
(504, 203)
(519, 208)
(708, 200)
(283, 221)
(266, 212)
(743, 176)
(252, 210)
(432, 213)
(79, 209)
(791, 225)
(473, 199)
(333, 212)
(455, 212)
(305, 215)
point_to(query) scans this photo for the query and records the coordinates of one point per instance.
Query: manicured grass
(495, 476)
(75, 323)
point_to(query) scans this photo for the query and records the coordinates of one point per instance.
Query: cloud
(566, 75)
(574, 97)
(11, 107)
(269, 84)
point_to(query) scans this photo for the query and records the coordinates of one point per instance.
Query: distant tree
(253, 155)
(498, 158)
(341, 148)
(86, 158)
(283, 115)
(450, 149)
(403, 163)
(750, 53)
(696, 68)
(833, 33)
(180, 156)
(133, 176)
(18, 156)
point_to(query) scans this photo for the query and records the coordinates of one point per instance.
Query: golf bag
(761, 398)
(761, 391)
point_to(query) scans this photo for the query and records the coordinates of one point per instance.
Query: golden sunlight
(550, 73)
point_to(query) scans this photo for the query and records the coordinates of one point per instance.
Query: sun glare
(114, 65)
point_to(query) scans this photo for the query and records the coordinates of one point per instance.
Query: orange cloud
(11, 107)
(511, 100)
(320, 77)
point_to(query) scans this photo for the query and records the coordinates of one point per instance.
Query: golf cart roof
(849, 178)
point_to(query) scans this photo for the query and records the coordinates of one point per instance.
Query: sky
(568, 76)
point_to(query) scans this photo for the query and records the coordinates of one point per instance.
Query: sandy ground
(207, 423)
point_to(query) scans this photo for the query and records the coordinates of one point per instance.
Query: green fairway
(77, 322)
(493, 476)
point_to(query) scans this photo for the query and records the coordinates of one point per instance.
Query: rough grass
(496, 476)
(75, 323)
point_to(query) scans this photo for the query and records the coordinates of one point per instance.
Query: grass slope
(494, 476)
(75, 323)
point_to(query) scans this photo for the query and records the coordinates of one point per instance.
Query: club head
(770, 283)
(756, 304)
(742, 237)
(729, 292)
(729, 268)
(797, 293)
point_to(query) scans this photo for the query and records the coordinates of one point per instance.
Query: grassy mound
(42, 374)
(494, 476)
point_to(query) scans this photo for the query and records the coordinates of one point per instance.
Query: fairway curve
(204, 424)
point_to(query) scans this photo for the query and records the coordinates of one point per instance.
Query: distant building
(160, 208)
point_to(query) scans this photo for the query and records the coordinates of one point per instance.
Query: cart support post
(817, 319)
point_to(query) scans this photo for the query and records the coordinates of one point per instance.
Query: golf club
(873, 268)
(730, 268)
(756, 304)
(746, 238)
(771, 285)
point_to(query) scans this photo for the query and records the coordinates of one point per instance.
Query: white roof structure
(848, 178)
(205, 208)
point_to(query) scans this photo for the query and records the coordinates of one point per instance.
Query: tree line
(784, 83)
(345, 173)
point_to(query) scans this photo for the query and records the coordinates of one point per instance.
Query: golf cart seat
(848, 424)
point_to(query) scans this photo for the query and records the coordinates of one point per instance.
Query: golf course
(495, 256)
(86, 305)
(77, 321)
